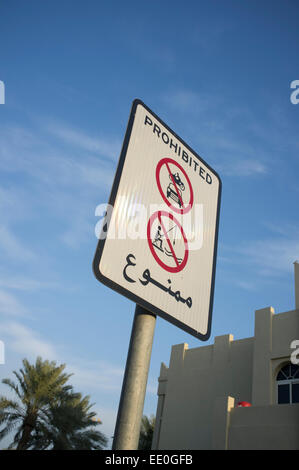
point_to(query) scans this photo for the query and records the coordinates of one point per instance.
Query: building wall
(272, 427)
(187, 390)
(198, 392)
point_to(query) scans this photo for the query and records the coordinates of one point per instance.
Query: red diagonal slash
(167, 239)
(176, 188)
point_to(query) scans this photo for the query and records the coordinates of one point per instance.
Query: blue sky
(218, 73)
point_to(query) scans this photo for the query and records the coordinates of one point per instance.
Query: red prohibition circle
(178, 266)
(185, 208)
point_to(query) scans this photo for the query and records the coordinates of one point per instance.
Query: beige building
(199, 391)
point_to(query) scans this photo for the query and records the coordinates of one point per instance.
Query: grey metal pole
(127, 429)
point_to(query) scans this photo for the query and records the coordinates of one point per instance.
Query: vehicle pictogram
(176, 193)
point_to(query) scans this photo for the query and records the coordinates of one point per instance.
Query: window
(288, 384)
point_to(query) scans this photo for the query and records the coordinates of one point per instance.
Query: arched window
(288, 384)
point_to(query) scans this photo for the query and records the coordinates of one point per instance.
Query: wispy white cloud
(207, 38)
(246, 285)
(12, 247)
(213, 125)
(101, 375)
(88, 376)
(245, 167)
(282, 228)
(96, 375)
(187, 101)
(271, 257)
(7, 200)
(44, 160)
(9, 305)
(25, 284)
(105, 147)
(65, 173)
(25, 341)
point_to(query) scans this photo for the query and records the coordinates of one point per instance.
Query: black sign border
(101, 244)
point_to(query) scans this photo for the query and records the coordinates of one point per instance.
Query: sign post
(158, 247)
(130, 409)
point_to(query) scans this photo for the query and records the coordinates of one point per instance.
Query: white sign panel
(159, 239)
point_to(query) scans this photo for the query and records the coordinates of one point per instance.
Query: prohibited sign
(174, 185)
(159, 239)
(167, 241)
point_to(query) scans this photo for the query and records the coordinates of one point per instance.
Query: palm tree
(38, 387)
(48, 413)
(70, 425)
(146, 432)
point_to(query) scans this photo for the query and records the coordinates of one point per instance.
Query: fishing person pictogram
(167, 241)
(160, 241)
